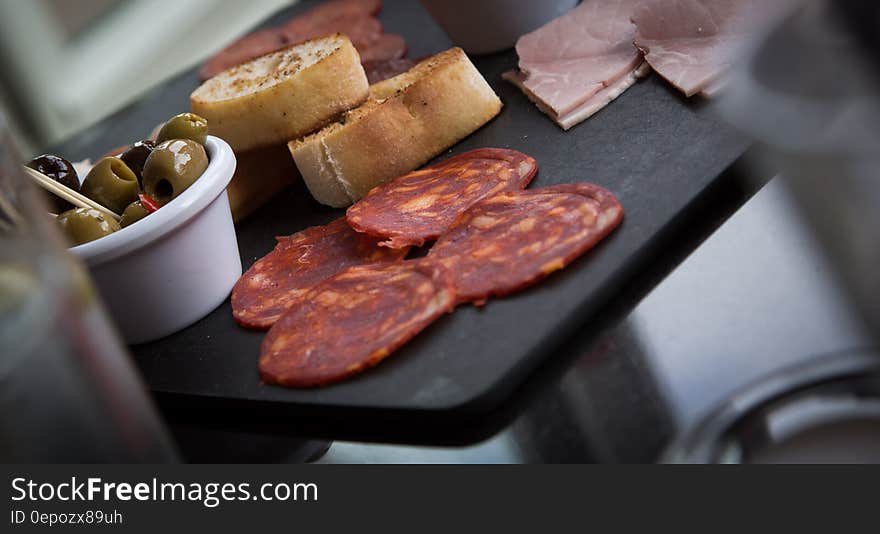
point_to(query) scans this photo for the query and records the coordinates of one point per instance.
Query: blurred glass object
(74, 19)
(809, 95)
(825, 410)
(67, 64)
(68, 389)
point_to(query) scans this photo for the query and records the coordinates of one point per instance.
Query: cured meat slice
(379, 70)
(351, 17)
(591, 106)
(353, 321)
(386, 47)
(571, 59)
(605, 200)
(296, 265)
(714, 87)
(326, 12)
(509, 241)
(420, 206)
(693, 43)
(361, 30)
(252, 45)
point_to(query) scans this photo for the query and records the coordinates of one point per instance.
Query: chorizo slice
(353, 17)
(378, 70)
(246, 48)
(604, 198)
(507, 242)
(352, 321)
(422, 205)
(387, 47)
(361, 30)
(326, 12)
(296, 265)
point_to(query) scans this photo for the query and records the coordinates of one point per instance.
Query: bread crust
(408, 120)
(285, 103)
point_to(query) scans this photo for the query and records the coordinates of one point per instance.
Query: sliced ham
(714, 87)
(575, 64)
(592, 105)
(693, 43)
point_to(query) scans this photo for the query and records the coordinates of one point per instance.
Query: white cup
(170, 269)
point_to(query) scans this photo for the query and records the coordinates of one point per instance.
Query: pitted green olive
(112, 184)
(82, 225)
(184, 126)
(133, 213)
(172, 167)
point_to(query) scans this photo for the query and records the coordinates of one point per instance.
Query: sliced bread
(259, 175)
(408, 120)
(283, 95)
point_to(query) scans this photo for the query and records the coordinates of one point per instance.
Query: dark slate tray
(656, 151)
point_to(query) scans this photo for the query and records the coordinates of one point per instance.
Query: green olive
(112, 184)
(82, 225)
(133, 213)
(184, 126)
(172, 167)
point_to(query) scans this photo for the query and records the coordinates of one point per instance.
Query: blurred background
(69, 63)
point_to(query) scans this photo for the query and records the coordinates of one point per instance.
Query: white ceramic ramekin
(485, 26)
(175, 266)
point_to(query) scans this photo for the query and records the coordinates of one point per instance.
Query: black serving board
(656, 151)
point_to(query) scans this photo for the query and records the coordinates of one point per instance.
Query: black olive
(60, 170)
(136, 155)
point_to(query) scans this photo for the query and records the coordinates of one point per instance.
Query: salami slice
(361, 30)
(508, 242)
(326, 12)
(353, 321)
(604, 199)
(351, 17)
(378, 70)
(422, 205)
(297, 264)
(386, 47)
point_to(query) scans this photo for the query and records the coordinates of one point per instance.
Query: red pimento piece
(148, 203)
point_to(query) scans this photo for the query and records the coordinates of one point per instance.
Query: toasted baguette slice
(259, 175)
(408, 120)
(283, 95)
